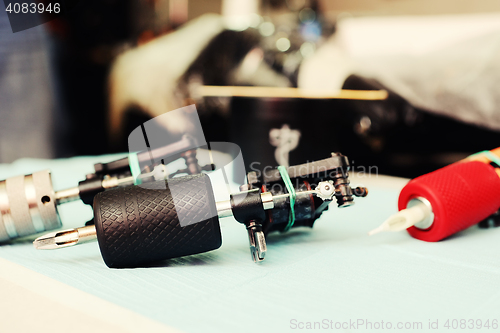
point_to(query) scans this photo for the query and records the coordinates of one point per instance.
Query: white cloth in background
(448, 65)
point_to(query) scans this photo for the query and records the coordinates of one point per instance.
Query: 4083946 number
(32, 8)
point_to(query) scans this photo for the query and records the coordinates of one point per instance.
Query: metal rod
(286, 195)
(68, 195)
(73, 194)
(111, 182)
(285, 92)
(224, 209)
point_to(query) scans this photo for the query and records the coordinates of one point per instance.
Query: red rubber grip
(461, 195)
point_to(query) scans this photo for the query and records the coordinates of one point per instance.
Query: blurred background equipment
(292, 44)
(119, 63)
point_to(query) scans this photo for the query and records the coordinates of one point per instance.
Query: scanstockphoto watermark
(361, 171)
(358, 324)
(451, 324)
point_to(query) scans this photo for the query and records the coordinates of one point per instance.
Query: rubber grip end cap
(137, 225)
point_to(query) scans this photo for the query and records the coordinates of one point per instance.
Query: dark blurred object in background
(388, 137)
(406, 141)
(85, 43)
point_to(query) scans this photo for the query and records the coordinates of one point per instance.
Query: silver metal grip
(27, 206)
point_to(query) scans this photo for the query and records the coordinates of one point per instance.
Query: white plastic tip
(404, 219)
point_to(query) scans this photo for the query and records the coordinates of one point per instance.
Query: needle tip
(65, 238)
(46, 242)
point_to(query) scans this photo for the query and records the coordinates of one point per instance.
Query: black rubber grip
(138, 225)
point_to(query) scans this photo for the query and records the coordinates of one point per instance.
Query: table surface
(331, 275)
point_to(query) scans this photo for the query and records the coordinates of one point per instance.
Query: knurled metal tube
(27, 206)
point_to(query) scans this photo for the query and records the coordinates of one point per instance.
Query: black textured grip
(138, 225)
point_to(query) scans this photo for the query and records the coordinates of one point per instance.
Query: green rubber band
(492, 157)
(291, 190)
(135, 168)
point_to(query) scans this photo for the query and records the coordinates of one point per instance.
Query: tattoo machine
(137, 225)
